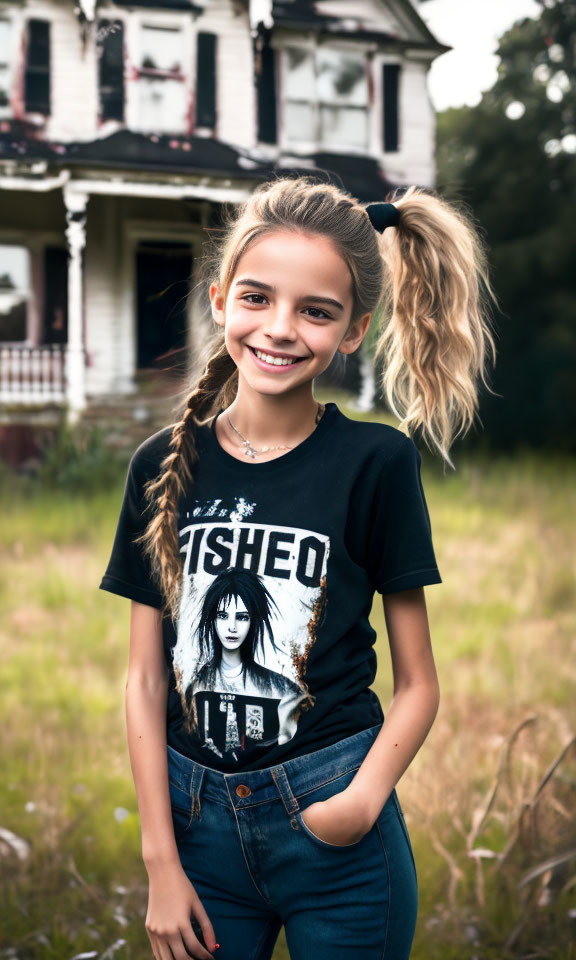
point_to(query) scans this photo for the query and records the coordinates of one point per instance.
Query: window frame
(317, 145)
(31, 295)
(6, 109)
(133, 40)
(38, 70)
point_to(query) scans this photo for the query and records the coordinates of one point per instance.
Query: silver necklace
(251, 451)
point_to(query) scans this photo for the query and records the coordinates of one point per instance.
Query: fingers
(179, 946)
(160, 948)
(201, 925)
(194, 946)
(202, 928)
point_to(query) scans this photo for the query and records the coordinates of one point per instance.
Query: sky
(472, 28)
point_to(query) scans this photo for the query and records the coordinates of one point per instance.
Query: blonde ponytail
(435, 343)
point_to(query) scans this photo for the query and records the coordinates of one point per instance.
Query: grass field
(489, 800)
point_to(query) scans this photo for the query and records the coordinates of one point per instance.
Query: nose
(280, 324)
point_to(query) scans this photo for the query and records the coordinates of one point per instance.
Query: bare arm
(413, 707)
(146, 693)
(172, 898)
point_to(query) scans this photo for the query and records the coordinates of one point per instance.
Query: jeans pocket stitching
(178, 807)
(180, 832)
(325, 843)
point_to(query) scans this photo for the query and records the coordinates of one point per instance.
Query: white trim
(118, 187)
(35, 186)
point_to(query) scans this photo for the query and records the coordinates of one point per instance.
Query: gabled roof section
(87, 9)
(381, 21)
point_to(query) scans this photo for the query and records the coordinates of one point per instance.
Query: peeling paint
(261, 13)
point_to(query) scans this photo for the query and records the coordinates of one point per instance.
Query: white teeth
(277, 361)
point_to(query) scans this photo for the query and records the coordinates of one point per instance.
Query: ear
(218, 303)
(355, 335)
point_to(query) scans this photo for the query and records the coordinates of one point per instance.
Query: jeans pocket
(324, 792)
(182, 808)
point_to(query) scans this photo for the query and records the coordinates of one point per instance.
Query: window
(5, 47)
(110, 46)
(326, 98)
(15, 293)
(161, 81)
(37, 72)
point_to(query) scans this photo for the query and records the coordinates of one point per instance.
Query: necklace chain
(251, 451)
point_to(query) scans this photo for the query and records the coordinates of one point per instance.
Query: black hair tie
(383, 215)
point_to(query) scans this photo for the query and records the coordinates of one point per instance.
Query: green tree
(512, 160)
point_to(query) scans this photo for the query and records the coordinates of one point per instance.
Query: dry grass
(489, 800)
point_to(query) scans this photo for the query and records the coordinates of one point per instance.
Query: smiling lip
(274, 353)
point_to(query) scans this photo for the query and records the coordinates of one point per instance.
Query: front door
(163, 271)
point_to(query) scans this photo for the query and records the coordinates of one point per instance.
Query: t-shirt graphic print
(271, 653)
(252, 601)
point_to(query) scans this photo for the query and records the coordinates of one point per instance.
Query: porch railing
(32, 375)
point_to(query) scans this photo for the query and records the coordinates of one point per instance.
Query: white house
(125, 125)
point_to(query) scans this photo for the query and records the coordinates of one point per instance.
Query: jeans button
(243, 791)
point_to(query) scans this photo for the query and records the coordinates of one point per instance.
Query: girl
(267, 796)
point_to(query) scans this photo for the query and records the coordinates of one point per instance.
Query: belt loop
(195, 788)
(281, 780)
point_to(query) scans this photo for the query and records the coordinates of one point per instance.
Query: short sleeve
(129, 572)
(400, 553)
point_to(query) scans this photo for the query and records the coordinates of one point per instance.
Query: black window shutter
(266, 95)
(390, 80)
(111, 69)
(37, 72)
(206, 80)
(55, 295)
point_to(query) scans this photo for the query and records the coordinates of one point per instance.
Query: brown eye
(248, 295)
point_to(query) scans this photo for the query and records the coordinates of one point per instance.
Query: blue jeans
(256, 865)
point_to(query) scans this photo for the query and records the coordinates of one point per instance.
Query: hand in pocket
(338, 820)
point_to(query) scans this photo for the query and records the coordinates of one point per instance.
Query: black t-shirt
(272, 653)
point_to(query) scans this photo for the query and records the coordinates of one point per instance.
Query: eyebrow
(247, 282)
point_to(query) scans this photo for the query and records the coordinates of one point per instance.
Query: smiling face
(232, 622)
(290, 297)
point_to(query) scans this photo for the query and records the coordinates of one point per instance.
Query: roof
(309, 15)
(127, 150)
(177, 156)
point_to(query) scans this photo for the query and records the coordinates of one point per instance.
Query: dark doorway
(163, 272)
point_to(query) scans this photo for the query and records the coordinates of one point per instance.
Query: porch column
(75, 363)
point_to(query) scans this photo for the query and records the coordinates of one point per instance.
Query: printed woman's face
(291, 294)
(232, 622)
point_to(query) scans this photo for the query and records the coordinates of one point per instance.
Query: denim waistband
(302, 773)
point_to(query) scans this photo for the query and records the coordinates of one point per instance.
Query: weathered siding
(73, 73)
(235, 95)
(373, 14)
(414, 161)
